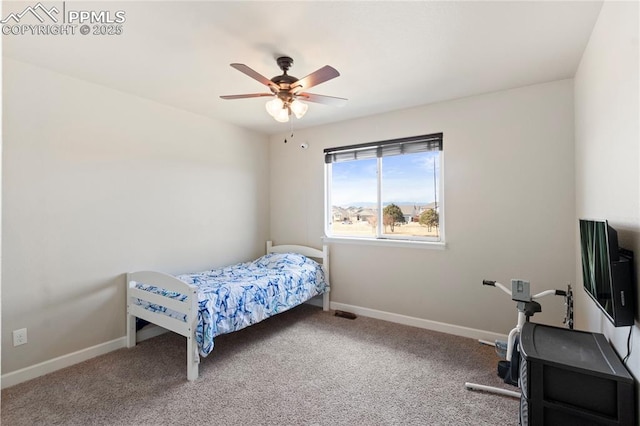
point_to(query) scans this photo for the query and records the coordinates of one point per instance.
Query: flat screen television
(607, 271)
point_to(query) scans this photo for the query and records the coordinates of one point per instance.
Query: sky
(405, 179)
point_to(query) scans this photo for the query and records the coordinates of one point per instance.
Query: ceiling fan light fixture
(283, 115)
(274, 106)
(298, 108)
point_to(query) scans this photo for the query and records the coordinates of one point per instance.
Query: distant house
(363, 215)
(409, 212)
(412, 212)
(351, 214)
(339, 214)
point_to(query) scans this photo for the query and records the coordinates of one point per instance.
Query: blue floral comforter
(238, 296)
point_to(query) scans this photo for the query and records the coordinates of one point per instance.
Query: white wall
(607, 151)
(508, 197)
(97, 183)
(1, 173)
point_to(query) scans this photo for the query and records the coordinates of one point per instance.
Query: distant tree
(387, 220)
(430, 219)
(392, 215)
(373, 221)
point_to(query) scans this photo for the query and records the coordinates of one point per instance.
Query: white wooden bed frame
(189, 307)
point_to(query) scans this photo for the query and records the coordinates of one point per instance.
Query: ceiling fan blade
(255, 75)
(248, 95)
(322, 99)
(319, 76)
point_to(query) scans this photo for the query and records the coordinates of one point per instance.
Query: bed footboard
(187, 307)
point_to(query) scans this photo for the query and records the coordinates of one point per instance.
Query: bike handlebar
(535, 296)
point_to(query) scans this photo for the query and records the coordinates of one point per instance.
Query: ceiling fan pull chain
(291, 126)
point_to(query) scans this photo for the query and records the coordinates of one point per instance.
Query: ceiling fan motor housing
(284, 80)
(284, 62)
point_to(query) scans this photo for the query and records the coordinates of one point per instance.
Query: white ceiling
(391, 55)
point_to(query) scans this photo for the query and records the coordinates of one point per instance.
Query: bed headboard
(304, 250)
(321, 255)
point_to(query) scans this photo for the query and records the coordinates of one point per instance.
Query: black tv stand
(570, 377)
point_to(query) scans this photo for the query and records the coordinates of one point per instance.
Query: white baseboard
(152, 330)
(64, 361)
(420, 323)
(149, 331)
(315, 301)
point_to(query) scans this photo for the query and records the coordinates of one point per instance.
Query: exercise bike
(527, 307)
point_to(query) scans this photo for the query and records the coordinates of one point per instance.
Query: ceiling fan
(287, 90)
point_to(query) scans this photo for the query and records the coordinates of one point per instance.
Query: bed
(203, 305)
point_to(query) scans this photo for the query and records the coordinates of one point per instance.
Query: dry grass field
(364, 229)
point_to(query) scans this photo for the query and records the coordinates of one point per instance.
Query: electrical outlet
(19, 337)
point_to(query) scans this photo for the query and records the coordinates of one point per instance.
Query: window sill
(429, 245)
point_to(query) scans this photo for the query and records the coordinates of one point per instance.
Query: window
(385, 190)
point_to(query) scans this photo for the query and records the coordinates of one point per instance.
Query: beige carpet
(302, 367)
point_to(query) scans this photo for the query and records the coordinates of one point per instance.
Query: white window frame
(381, 237)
